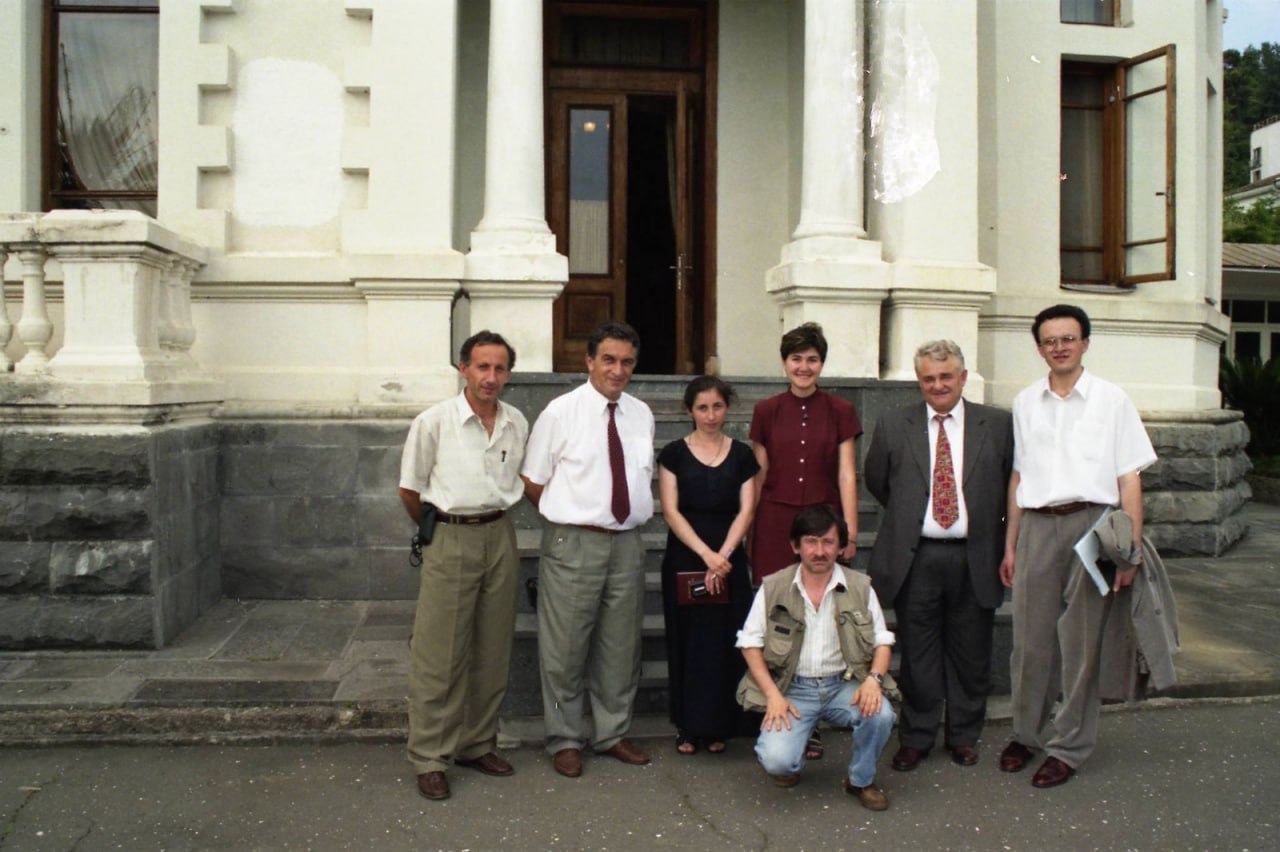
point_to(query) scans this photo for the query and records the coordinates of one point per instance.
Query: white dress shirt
(457, 466)
(568, 453)
(954, 424)
(820, 653)
(1075, 448)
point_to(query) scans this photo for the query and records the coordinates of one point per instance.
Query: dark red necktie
(946, 506)
(621, 496)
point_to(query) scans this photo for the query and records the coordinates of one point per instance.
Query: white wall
(759, 110)
(1159, 340)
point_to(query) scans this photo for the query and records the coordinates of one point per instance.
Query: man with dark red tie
(589, 469)
(941, 471)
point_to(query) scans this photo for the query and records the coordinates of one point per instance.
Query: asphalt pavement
(1177, 774)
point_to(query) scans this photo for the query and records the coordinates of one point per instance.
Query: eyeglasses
(1053, 342)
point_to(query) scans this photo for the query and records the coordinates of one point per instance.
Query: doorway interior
(630, 173)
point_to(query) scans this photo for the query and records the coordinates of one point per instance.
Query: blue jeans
(828, 699)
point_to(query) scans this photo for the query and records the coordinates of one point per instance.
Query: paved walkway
(275, 670)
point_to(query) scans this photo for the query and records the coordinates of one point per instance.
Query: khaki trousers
(590, 612)
(1057, 637)
(461, 649)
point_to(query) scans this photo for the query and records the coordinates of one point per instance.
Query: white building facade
(342, 190)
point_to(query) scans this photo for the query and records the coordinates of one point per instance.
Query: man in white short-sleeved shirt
(589, 470)
(462, 458)
(1079, 446)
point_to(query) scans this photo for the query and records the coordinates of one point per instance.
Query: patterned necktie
(617, 466)
(946, 508)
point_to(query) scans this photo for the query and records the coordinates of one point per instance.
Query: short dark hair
(800, 338)
(611, 330)
(708, 383)
(1061, 312)
(816, 519)
(486, 338)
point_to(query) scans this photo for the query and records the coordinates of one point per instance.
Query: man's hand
(1124, 577)
(846, 555)
(868, 697)
(777, 713)
(1006, 569)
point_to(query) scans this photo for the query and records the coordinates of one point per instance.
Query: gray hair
(939, 350)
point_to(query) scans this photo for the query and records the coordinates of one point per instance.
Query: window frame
(1115, 177)
(1113, 22)
(51, 159)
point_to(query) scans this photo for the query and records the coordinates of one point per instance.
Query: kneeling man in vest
(817, 650)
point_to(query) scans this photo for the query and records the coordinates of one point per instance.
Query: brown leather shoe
(1052, 773)
(489, 764)
(785, 780)
(433, 785)
(627, 753)
(1014, 757)
(568, 762)
(871, 796)
(964, 755)
(909, 758)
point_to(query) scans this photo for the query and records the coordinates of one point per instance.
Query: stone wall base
(108, 531)
(1194, 495)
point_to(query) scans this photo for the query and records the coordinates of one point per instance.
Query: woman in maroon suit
(803, 439)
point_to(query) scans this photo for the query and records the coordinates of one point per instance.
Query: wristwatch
(879, 677)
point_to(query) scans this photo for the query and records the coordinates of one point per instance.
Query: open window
(100, 112)
(1117, 160)
(1098, 12)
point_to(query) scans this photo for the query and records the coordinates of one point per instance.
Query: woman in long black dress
(708, 498)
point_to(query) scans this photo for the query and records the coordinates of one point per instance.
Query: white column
(513, 271)
(6, 327)
(831, 182)
(829, 272)
(34, 329)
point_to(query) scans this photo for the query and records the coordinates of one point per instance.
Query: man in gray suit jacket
(941, 472)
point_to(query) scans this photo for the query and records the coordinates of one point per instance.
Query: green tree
(1258, 224)
(1251, 93)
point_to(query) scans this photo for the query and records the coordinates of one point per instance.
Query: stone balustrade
(126, 328)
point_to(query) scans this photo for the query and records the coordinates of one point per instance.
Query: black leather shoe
(908, 758)
(488, 763)
(964, 755)
(1052, 773)
(433, 785)
(1014, 757)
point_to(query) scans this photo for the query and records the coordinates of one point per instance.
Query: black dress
(703, 664)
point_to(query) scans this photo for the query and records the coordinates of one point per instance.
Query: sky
(1250, 22)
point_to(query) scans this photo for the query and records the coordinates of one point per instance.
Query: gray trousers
(1058, 617)
(461, 649)
(590, 611)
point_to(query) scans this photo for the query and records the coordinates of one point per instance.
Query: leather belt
(470, 520)
(944, 540)
(1063, 508)
(594, 528)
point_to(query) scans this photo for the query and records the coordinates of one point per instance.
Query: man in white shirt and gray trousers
(1079, 446)
(589, 469)
(462, 460)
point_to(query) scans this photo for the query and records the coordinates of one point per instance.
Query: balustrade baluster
(34, 329)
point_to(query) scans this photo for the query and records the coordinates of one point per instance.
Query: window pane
(589, 191)
(1080, 199)
(1248, 345)
(1087, 11)
(1147, 190)
(1248, 310)
(107, 75)
(648, 42)
(1275, 345)
(1083, 267)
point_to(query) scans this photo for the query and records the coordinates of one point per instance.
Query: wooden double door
(628, 183)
